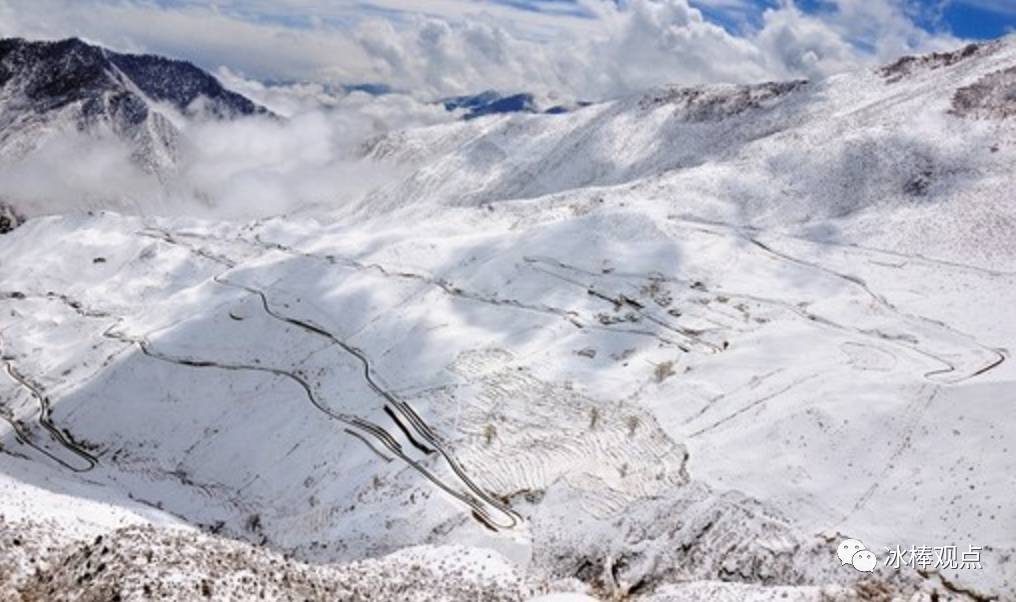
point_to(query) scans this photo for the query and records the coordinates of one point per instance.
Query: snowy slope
(889, 156)
(579, 376)
(674, 347)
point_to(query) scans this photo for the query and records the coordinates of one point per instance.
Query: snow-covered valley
(673, 347)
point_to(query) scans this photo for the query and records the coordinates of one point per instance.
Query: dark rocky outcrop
(908, 65)
(992, 96)
(9, 218)
(54, 74)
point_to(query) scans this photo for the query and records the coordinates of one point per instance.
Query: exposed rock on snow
(992, 96)
(9, 218)
(907, 65)
(713, 103)
(145, 563)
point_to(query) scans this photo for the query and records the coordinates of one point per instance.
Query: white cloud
(259, 166)
(796, 45)
(460, 46)
(884, 26)
(310, 160)
(250, 167)
(198, 33)
(75, 170)
(439, 58)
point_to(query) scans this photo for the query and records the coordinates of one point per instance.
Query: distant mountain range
(50, 87)
(491, 102)
(488, 102)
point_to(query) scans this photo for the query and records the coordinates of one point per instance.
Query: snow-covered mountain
(49, 88)
(490, 102)
(671, 347)
(927, 137)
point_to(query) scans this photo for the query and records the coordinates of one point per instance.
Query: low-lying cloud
(73, 170)
(311, 159)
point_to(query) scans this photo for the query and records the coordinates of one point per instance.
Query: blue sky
(974, 19)
(983, 19)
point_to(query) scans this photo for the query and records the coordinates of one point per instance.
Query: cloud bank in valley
(309, 160)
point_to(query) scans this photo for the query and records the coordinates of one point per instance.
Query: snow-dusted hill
(674, 347)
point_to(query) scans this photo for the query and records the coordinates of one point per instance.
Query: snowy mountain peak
(905, 66)
(490, 102)
(70, 85)
(57, 73)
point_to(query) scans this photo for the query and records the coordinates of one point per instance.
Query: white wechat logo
(864, 561)
(853, 552)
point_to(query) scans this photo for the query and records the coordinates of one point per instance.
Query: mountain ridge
(71, 85)
(796, 155)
